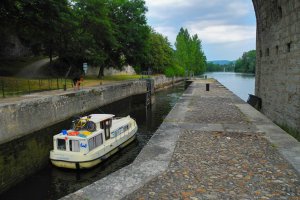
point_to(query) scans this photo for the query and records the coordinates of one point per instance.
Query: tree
(159, 53)
(35, 22)
(246, 64)
(91, 36)
(189, 53)
(131, 31)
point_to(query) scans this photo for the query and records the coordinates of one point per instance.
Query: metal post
(207, 86)
(39, 84)
(2, 87)
(57, 83)
(17, 87)
(29, 86)
(65, 85)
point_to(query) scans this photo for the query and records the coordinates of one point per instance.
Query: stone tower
(278, 60)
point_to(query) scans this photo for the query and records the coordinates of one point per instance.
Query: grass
(93, 81)
(122, 77)
(13, 86)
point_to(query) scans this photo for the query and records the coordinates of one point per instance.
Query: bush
(137, 69)
(179, 71)
(169, 72)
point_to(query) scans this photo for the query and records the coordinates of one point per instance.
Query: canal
(52, 183)
(240, 84)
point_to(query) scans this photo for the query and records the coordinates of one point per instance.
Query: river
(53, 183)
(239, 83)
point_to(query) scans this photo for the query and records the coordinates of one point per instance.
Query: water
(240, 84)
(53, 183)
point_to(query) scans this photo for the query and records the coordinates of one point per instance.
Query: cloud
(220, 32)
(172, 3)
(165, 9)
(169, 31)
(218, 23)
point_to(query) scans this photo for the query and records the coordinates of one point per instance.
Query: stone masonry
(212, 145)
(278, 60)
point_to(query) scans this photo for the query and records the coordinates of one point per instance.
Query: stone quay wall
(26, 116)
(163, 81)
(23, 117)
(278, 60)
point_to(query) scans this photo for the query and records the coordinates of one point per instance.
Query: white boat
(91, 140)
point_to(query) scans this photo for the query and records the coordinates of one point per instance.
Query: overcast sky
(227, 28)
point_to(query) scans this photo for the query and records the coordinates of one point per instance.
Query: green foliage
(189, 53)
(159, 52)
(246, 64)
(137, 69)
(105, 33)
(169, 72)
(101, 32)
(174, 70)
(131, 30)
(211, 67)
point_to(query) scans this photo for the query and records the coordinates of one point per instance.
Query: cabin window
(74, 145)
(99, 140)
(120, 130)
(95, 142)
(61, 144)
(126, 128)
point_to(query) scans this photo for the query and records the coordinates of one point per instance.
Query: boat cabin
(89, 132)
(86, 134)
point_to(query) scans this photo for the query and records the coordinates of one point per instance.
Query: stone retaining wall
(163, 81)
(26, 116)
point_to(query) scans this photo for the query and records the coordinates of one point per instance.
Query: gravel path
(222, 164)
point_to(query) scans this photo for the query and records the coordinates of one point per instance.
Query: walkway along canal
(51, 182)
(212, 145)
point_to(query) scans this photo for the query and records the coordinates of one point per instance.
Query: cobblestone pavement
(221, 164)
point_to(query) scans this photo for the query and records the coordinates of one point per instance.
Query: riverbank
(212, 145)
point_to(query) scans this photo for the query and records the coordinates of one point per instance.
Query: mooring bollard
(207, 86)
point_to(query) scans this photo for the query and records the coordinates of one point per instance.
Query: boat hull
(91, 163)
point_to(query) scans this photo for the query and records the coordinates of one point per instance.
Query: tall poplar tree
(189, 54)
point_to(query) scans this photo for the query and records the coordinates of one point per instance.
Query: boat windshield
(83, 125)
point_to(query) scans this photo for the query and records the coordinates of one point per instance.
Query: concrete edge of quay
(156, 155)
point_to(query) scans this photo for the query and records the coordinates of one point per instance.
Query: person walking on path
(76, 82)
